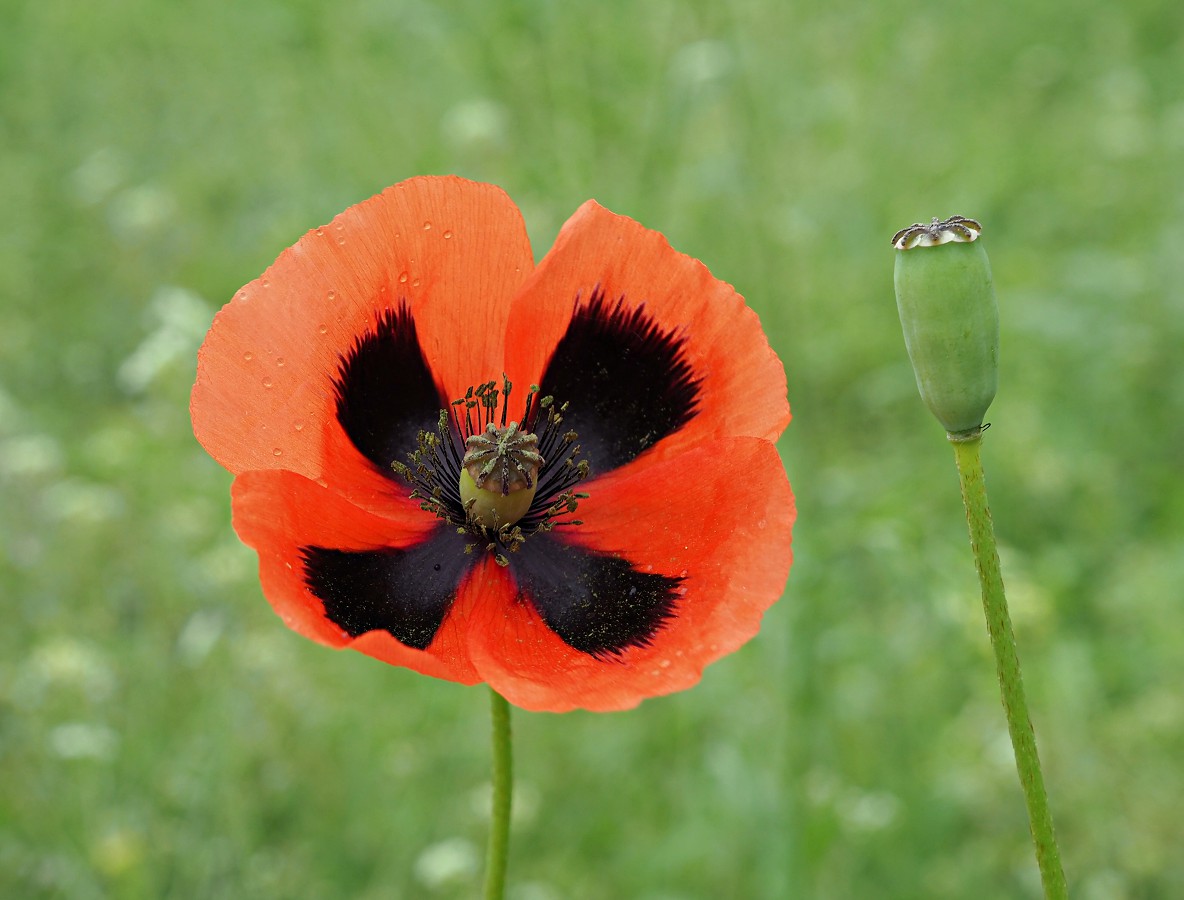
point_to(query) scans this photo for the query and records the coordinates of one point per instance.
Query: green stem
(503, 789)
(967, 447)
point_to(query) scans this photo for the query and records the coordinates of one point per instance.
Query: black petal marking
(405, 593)
(598, 604)
(626, 379)
(385, 390)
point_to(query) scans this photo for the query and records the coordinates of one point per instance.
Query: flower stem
(503, 788)
(967, 453)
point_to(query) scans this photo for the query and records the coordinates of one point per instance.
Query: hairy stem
(967, 453)
(503, 789)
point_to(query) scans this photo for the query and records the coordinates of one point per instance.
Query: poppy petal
(739, 383)
(625, 377)
(453, 251)
(404, 592)
(385, 391)
(598, 604)
(718, 519)
(487, 587)
(290, 521)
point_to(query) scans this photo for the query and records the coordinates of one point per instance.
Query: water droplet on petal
(279, 361)
(665, 664)
(298, 425)
(341, 241)
(403, 278)
(324, 329)
(267, 382)
(427, 226)
(320, 232)
(248, 356)
(266, 283)
(332, 295)
(415, 283)
(447, 235)
(277, 452)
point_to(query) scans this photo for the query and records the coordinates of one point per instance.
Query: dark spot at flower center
(405, 592)
(627, 377)
(385, 389)
(597, 603)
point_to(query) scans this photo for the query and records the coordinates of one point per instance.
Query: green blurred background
(163, 735)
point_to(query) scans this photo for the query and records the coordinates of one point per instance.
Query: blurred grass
(161, 734)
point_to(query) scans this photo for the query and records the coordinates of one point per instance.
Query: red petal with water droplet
(319, 296)
(720, 516)
(742, 382)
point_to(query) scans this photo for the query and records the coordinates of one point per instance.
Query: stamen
(533, 463)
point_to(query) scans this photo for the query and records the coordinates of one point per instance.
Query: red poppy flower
(659, 529)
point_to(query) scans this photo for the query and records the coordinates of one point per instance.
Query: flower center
(497, 481)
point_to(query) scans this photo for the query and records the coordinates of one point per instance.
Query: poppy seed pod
(950, 318)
